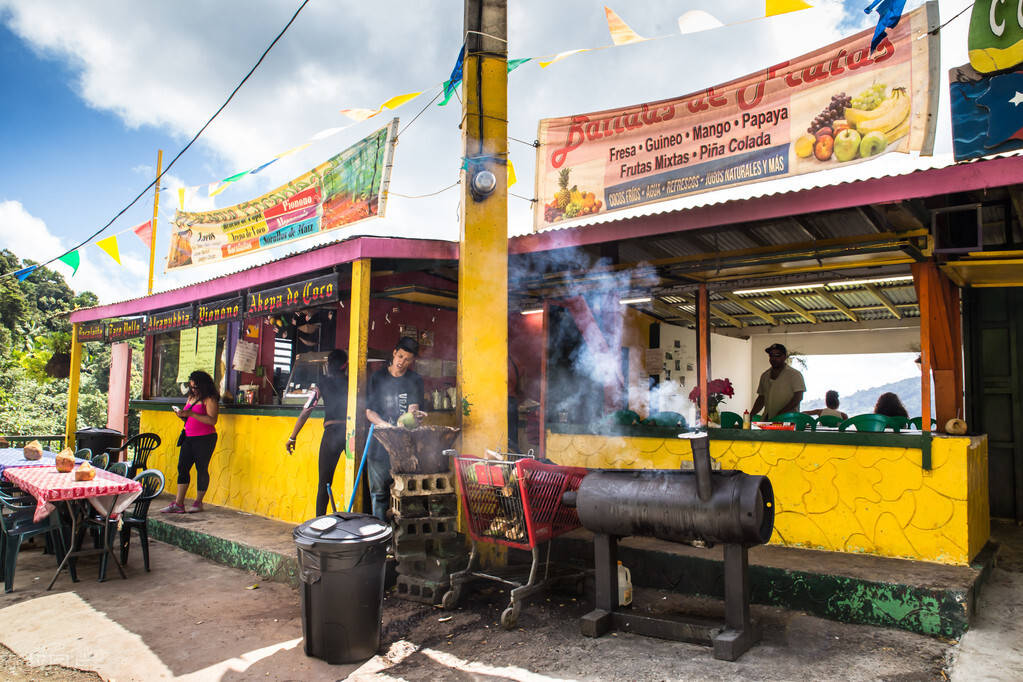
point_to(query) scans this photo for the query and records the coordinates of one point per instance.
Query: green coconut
(408, 420)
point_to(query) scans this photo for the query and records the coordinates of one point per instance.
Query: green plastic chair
(918, 422)
(84, 453)
(898, 423)
(670, 419)
(100, 461)
(798, 418)
(625, 418)
(866, 422)
(829, 420)
(730, 420)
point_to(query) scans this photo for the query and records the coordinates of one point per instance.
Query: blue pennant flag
(24, 272)
(888, 14)
(1004, 101)
(455, 78)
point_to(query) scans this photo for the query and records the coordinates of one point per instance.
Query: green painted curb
(265, 563)
(931, 611)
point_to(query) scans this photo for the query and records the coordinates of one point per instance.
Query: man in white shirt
(781, 388)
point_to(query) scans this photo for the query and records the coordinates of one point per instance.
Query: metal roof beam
(885, 301)
(803, 312)
(748, 305)
(873, 217)
(841, 307)
(809, 230)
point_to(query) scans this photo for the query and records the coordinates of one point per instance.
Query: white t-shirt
(777, 392)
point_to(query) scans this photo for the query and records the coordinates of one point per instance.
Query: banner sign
(215, 312)
(985, 119)
(307, 294)
(118, 330)
(995, 40)
(90, 331)
(170, 320)
(835, 106)
(347, 188)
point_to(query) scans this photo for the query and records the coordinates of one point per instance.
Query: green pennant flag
(512, 65)
(72, 259)
(516, 63)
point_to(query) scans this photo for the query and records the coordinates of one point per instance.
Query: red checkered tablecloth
(48, 485)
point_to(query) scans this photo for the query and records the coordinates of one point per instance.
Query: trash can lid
(98, 429)
(342, 528)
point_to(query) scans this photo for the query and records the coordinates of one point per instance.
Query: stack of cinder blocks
(424, 508)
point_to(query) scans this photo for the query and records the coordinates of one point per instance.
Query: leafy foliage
(34, 326)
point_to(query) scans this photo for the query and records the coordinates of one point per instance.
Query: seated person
(889, 405)
(831, 400)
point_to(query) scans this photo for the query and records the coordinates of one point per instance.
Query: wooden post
(924, 298)
(71, 425)
(544, 334)
(156, 210)
(703, 348)
(358, 352)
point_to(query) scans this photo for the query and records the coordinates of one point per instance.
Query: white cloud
(29, 237)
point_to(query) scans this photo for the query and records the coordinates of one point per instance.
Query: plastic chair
(140, 446)
(866, 422)
(16, 524)
(730, 420)
(798, 418)
(152, 485)
(119, 468)
(100, 461)
(673, 419)
(898, 423)
(918, 422)
(83, 453)
(829, 420)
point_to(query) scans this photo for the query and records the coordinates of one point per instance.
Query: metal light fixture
(639, 299)
(483, 184)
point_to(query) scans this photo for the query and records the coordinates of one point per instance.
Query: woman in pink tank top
(198, 440)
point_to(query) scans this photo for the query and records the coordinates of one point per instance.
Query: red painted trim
(927, 183)
(294, 266)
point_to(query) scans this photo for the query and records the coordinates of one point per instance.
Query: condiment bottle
(745, 419)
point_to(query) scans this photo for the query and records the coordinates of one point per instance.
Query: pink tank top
(194, 427)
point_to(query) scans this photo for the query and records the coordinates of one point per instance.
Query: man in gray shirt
(781, 388)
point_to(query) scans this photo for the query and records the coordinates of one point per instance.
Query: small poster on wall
(245, 356)
(653, 361)
(407, 330)
(426, 338)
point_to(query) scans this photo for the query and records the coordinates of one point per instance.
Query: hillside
(862, 402)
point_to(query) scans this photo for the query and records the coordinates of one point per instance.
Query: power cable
(185, 148)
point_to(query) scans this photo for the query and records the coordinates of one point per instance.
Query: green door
(994, 390)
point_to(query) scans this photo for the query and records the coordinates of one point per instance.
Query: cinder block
(410, 506)
(443, 504)
(425, 528)
(430, 567)
(423, 484)
(445, 549)
(420, 589)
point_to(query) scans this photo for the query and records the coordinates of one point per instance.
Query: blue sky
(92, 90)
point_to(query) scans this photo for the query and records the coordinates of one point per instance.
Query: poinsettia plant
(717, 391)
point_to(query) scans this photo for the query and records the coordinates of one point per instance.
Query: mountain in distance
(862, 402)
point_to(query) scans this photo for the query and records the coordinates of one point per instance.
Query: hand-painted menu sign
(836, 106)
(214, 312)
(307, 294)
(118, 330)
(996, 35)
(90, 331)
(170, 320)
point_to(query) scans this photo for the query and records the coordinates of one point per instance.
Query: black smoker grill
(727, 507)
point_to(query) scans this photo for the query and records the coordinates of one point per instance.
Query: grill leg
(740, 632)
(605, 563)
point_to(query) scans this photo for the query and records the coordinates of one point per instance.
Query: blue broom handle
(362, 465)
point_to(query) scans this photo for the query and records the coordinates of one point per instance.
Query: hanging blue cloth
(888, 14)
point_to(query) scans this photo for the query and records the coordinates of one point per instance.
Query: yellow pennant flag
(775, 7)
(398, 100)
(561, 55)
(215, 188)
(621, 34)
(181, 199)
(110, 246)
(511, 174)
(293, 150)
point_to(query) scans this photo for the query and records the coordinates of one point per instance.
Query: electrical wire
(183, 149)
(406, 126)
(423, 196)
(936, 30)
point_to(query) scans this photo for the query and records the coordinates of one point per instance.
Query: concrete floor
(191, 619)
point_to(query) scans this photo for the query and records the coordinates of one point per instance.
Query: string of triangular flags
(621, 35)
(109, 245)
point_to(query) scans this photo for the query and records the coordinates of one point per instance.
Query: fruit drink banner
(835, 106)
(345, 189)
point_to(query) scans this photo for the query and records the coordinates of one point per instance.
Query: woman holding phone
(198, 440)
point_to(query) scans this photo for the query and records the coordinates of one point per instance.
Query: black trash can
(98, 439)
(341, 561)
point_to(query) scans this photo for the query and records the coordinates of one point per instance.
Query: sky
(845, 373)
(93, 90)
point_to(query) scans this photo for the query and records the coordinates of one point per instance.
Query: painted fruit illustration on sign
(570, 202)
(858, 127)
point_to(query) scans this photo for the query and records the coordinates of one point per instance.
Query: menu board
(119, 330)
(170, 320)
(305, 294)
(224, 310)
(197, 351)
(91, 331)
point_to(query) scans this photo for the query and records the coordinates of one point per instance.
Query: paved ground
(191, 619)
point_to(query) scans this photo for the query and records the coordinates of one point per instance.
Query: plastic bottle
(624, 585)
(745, 419)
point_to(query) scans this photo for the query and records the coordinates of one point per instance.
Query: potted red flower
(717, 391)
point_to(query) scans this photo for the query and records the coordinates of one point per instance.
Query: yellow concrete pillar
(358, 348)
(483, 254)
(71, 425)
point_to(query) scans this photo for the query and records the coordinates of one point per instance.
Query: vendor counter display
(844, 492)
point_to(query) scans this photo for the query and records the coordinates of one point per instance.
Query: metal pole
(156, 210)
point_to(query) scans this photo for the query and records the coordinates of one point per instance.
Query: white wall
(730, 359)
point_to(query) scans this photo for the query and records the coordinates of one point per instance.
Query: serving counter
(840, 491)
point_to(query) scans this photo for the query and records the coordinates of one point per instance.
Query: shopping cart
(516, 503)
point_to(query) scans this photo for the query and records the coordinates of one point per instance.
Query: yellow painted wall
(843, 498)
(250, 470)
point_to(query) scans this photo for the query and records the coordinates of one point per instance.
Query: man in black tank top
(333, 388)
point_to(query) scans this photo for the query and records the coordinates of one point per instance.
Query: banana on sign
(840, 104)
